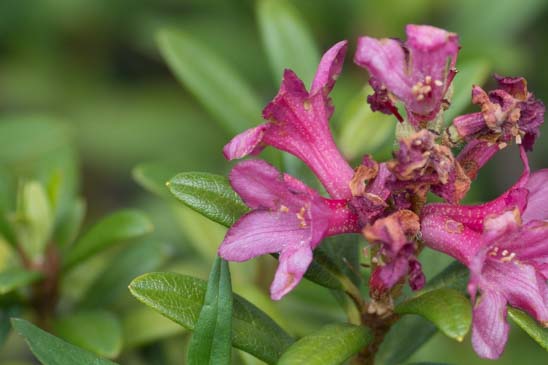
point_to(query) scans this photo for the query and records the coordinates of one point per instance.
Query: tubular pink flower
(287, 217)
(298, 124)
(505, 245)
(414, 71)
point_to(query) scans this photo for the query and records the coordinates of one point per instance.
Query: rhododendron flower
(505, 245)
(396, 257)
(421, 164)
(509, 112)
(298, 124)
(415, 72)
(287, 217)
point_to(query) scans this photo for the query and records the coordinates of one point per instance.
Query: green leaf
(120, 226)
(220, 90)
(154, 177)
(287, 40)
(181, 298)
(470, 73)
(142, 325)
(33, 219)
(51, 350)
(97, 331)
(113, 281)
(415, 331)
(448, 309)
(210, 195)
(362, 130)
(15, 278)
(211, 339)
(331, 345)
(530, 326)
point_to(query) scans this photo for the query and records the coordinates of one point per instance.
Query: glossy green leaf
(362, 130)
(142, 325)
(117, 227)
(470, 73)
(211, 339)
(112, 282)
(210, 195)
(15, 278)
(214, 83)
(96, 331)
(51, 350)
(34, 218)
(331, 345)
(448, 309)
(415, 332)
(181, 298)
(287, 40)
(530, 326)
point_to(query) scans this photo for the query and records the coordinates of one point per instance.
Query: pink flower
(298, 124)
(287, 217)
(415, 71)
(509, 112)
(505, 245)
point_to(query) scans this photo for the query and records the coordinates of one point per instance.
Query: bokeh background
(87, 76)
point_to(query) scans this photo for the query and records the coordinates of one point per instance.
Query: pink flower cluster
(504, 242)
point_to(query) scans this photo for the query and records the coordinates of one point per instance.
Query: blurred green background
(90, 73)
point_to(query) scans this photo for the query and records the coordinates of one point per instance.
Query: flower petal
(490, 328)
(537, 205)
(294, 262)
(329, 69)
(260, 185)
(443, 233)
(260, 232)
(245, 143)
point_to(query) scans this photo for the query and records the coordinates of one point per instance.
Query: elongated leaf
(211, 339)
(408, 335)
(143, 325)
(530, 326)
(125, 266)
(51, 350)
(181, 297)
(210, 195)
(331, 345)
(470, 73)
(15, 278)
(287, 40)
(97, 331)
(363, 130)
(120, 226)
(448, 309)
(214, 83)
